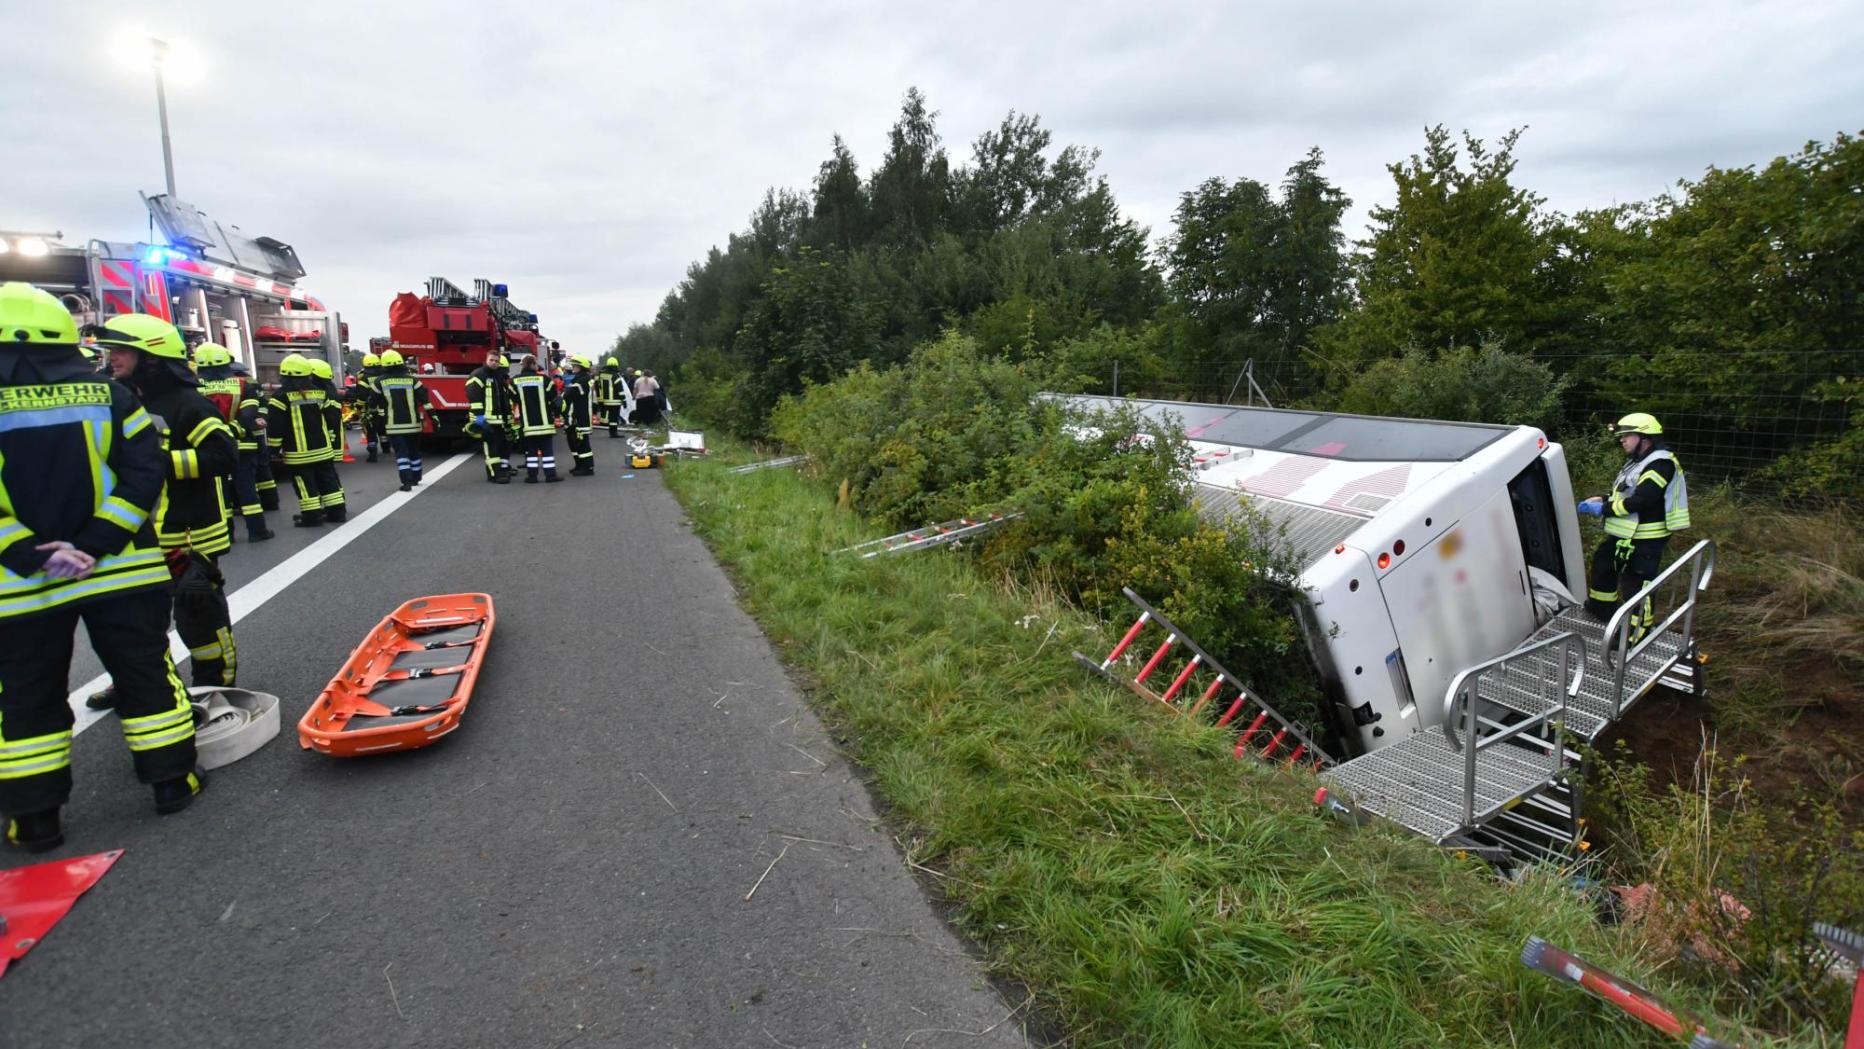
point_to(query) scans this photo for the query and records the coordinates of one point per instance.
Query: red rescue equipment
(409, 681)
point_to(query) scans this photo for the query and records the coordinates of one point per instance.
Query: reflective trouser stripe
(1602, 595)
(160, 730)
(31, 757)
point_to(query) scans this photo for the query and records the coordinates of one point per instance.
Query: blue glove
(1594, 506)
(479, 421)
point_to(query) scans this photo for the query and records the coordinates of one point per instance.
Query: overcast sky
(586, 153)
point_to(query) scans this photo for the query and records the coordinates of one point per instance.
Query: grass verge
(1146, 889)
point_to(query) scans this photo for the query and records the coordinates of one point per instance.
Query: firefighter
(1649, 500)
(360, 395)
(295, 419)
(190, 522)
(339, 437)
(608, 396)
(254, 447)
(83, 548)
(233, 396)
(579, 413)
(534, 407)
(400, 398)
(488, 396)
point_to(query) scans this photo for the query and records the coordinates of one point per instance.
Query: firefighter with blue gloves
(1649, 500)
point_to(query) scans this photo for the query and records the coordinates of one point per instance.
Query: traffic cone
(347, 457)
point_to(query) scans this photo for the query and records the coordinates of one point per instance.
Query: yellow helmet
(370, 360)
(139, 331)
(319, 367)
(34, 316)
(212, 355)
(581, 361)
(611, 363)
(294, 365)
(1637, 422)
(391, 359)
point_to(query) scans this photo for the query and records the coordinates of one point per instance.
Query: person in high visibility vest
(488, 400)
(84, 548)
(295, 419)
(339, 440)
(608, 399)
(361, 396)
(231, 395)
(1649, 501)
(253, 443)
(400, 398)
(534, 406)
(579, 413)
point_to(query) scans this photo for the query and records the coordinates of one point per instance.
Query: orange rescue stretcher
(409, 681)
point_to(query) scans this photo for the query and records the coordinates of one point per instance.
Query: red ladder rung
(1234, 707)
(1138, 625)
(1243, 741)
(1296, 756)
(1153, 663)
(1183, 676)
(1205, 698)
(1274, 742)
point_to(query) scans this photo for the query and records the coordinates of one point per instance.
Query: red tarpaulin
(33, 899)
(407, 311)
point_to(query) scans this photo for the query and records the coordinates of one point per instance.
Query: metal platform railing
(1463, 701)
(1621, 653)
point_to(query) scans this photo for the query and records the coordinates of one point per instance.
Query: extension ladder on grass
(1267, 735)
(769, 464)
(941, 534)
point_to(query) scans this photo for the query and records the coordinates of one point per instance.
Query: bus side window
(1535, 520)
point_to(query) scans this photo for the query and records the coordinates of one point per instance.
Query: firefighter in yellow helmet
(233, 396)
(1649, 500)
(362, 395)
(147, 354)
(534, 406)
(295, 418)
(608, 399)
(579, 413)
(83, 548)
(401, 399)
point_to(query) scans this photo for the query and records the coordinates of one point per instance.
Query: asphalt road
(570, 868)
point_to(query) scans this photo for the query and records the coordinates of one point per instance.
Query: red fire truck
(446, 334)
(209, 279)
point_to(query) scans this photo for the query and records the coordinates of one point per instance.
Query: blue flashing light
(500, 290)
(156, 255)
(532, 317)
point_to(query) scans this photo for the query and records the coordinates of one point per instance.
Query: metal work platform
(1488, 778)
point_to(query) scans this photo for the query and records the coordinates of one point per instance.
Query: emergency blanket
(33, 899)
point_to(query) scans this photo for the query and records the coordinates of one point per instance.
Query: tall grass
(1145, 889)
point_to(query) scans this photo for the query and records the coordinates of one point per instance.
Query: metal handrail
(1554, 695)
(1619, 652)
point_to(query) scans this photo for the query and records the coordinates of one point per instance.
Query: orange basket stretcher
(409, 681)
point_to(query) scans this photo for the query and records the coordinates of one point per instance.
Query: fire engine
(210, 280)
(446, 334)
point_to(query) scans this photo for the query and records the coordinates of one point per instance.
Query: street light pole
(158, 50)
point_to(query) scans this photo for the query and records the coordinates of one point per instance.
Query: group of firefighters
(511, 414)
(124, 456)
(113, 512)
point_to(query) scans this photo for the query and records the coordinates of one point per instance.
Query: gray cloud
(585, 153)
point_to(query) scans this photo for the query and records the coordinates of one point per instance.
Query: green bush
(1468, 384)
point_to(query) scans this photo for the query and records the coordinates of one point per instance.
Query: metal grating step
(1418, 784)
(1589, 712)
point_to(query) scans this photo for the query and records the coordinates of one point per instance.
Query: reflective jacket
(534, 404)
(201, 451)
(103, 447)
(578, 402)
(400, 398)
(488, 393)
(295, 422)
(1649, 498)
(607, 387)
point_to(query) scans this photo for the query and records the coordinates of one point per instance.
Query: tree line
(1719, 302)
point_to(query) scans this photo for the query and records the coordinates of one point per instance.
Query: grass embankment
(1145, 888)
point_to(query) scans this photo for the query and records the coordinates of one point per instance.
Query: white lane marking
(247, 599)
